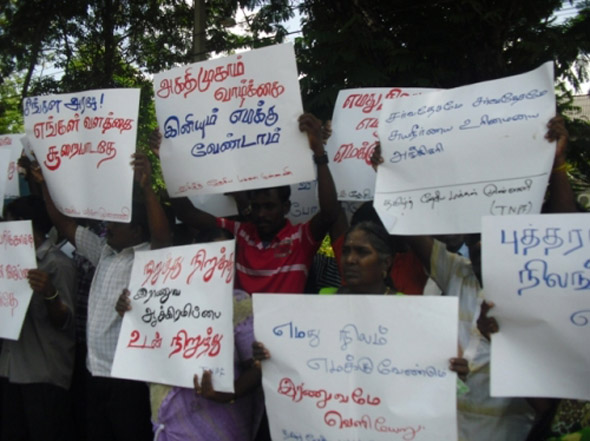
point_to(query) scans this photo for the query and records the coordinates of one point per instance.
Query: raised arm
(421, 245)
(329, 206)
(159, 227)
(191, 215)
(183, 207)
(66, 226)
(561, 196)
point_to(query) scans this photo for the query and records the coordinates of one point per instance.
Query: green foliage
(97, 44)
(345, 44)
(11, 116)
(441, 44)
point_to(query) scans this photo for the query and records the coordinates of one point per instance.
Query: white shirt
(113, 270)
(480, 417)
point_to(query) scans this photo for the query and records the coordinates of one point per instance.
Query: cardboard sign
(231, 124)
(17, 257)
(180, 323)
(343, 367)
(13, 144)
(536, 269)
(455, 155)
(83, 142)
(354, 136)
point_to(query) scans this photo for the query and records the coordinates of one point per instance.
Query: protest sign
(17, 257)
(13, 144)
(83, 142)
(452, 156)
(180, 322)
(342, 366)
(27, 148)
(536, 269)
(354, 137)
(231, 124)
(218, 205)
(304, 202)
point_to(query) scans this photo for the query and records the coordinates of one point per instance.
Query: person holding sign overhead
(482, 417)
(117, 409)
(39, 365)
(272, 254)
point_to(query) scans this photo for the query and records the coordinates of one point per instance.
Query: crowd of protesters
(57, 377)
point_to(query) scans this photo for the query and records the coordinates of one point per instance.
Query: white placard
(304, 202)
(231, 124)
(180, 322)
(455, 155)
(354, 137)
(83, 142)
(17, 257)
(536, 269)
(343, 367)
(14, 145)
(219, 205)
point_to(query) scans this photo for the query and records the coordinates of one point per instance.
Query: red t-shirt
(407, 272)
(280, 266)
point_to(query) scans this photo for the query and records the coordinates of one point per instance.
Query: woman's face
(362, 267)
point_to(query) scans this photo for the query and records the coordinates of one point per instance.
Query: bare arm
(421, 245)
(246, 383)
(58, 312)
(191, 215)
(158, 222)
(329, 206)
(66, 226)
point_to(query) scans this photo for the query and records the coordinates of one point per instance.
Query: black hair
(212, 234)
(283, 191)
(367, 213)
(31, 208)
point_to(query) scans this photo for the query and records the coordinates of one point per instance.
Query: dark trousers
(118, 410)
(35, 412)
(78, 391)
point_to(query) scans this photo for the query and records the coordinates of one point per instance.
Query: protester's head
(269, 208)
(367, 257)
(366, 212)
(124, 235)
(30, 208)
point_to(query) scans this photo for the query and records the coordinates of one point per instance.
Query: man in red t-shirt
(272, 254)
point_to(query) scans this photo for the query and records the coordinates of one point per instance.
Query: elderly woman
(366, 262)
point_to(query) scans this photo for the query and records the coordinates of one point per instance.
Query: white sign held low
(342, 367)
(180, 322)
(17, 257)
(536, 269)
